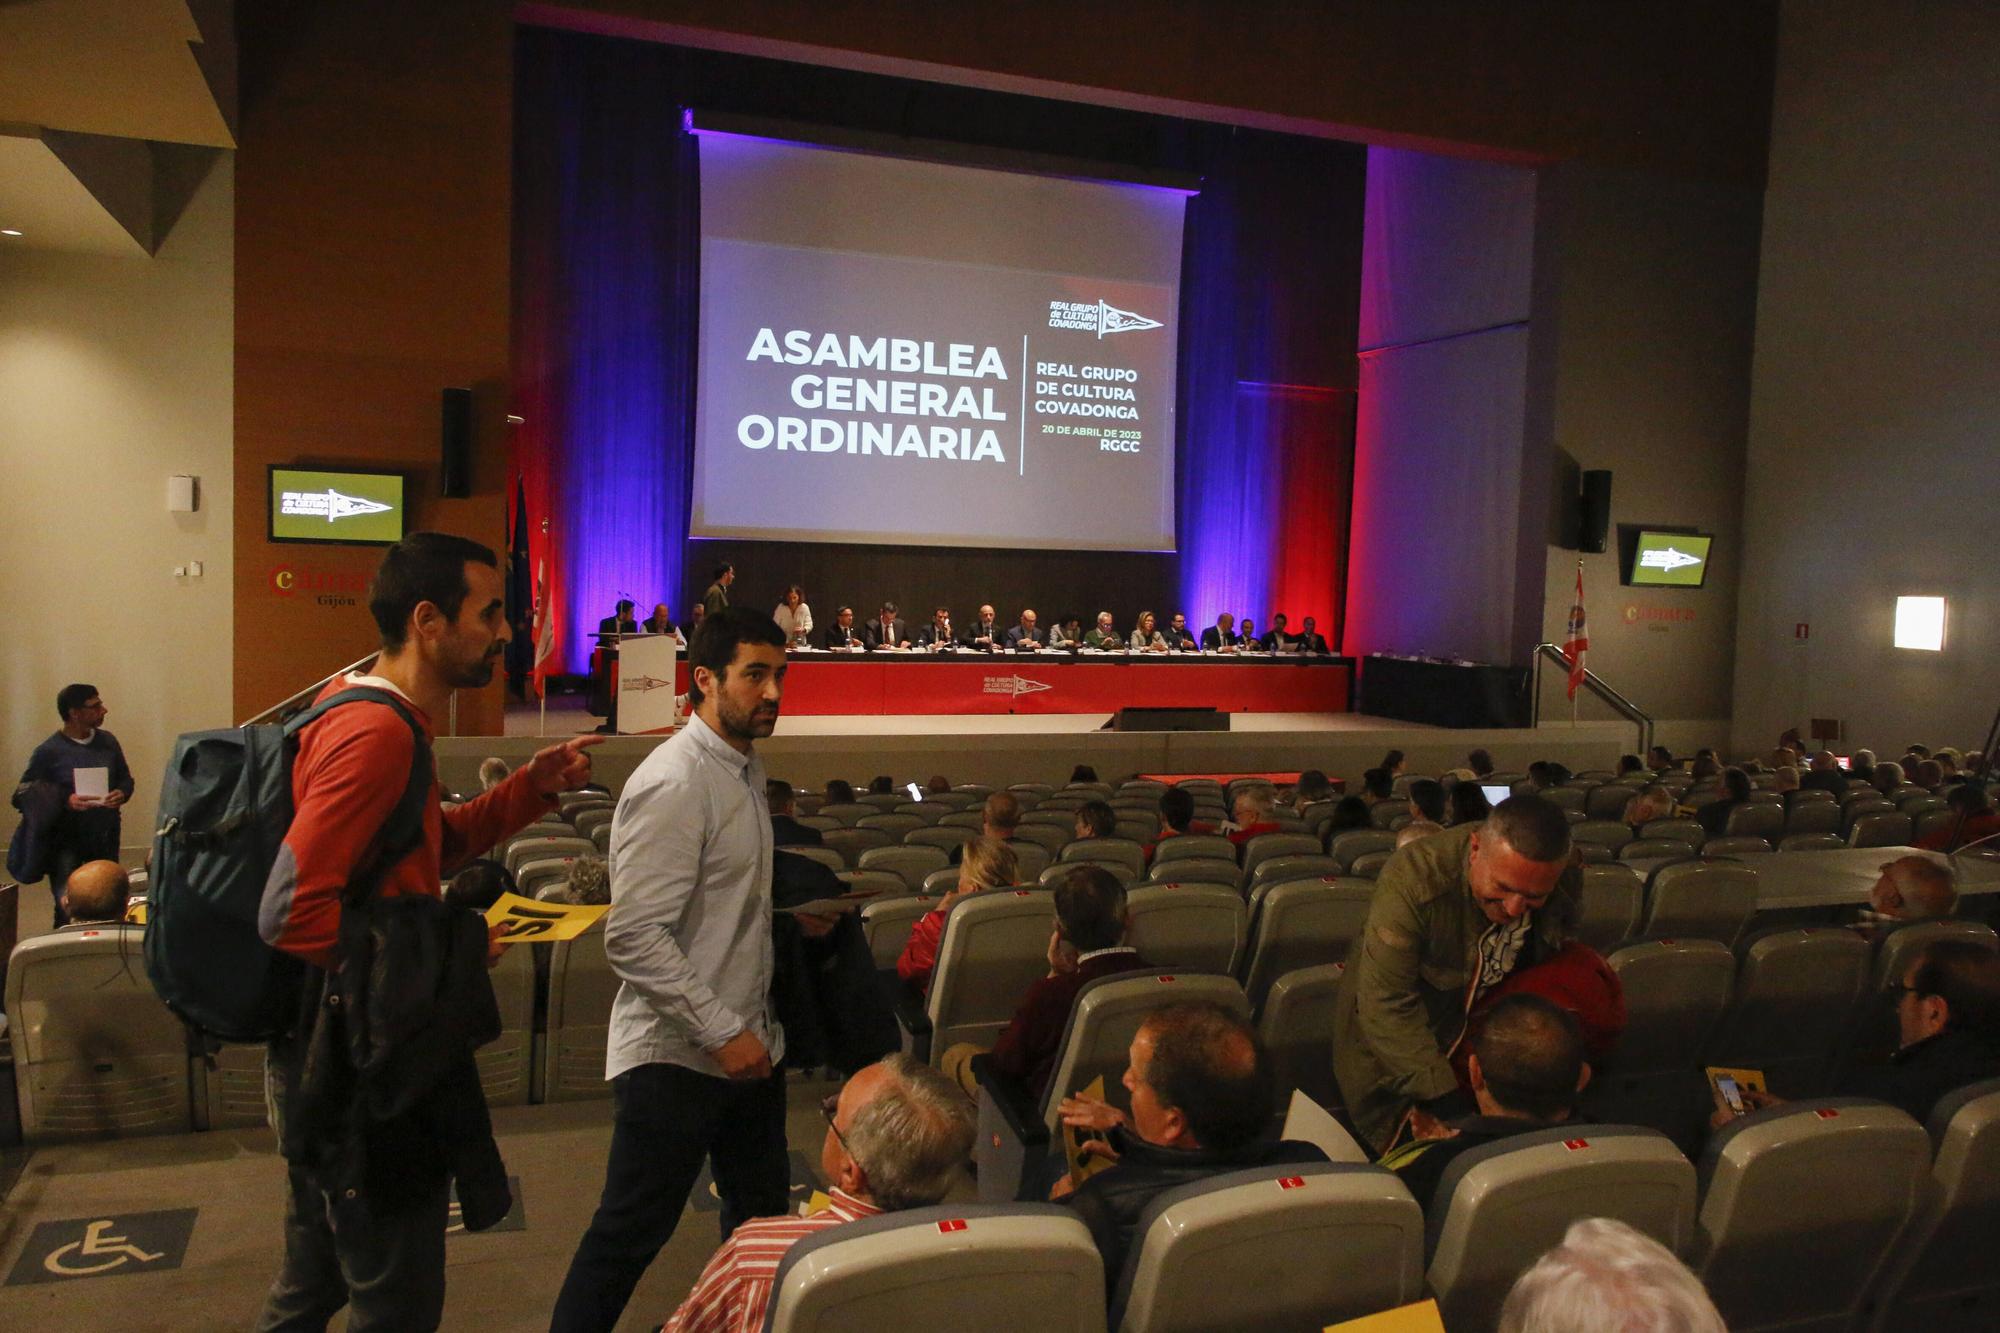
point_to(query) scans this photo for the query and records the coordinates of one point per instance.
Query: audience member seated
(939, 785)
(1469, 804)
(479, 885)
(786, 830)
(1253, 815)
(881, 785)
(96, 894)
(1392, 764)
(1650, 804)
(1176, 818)
(1861, 767)
(588, 883)
(1886, 777)
(1526, 1068)
(1824, 775)
(1202, 1094)
(1930, 774)
(1416, 828)
(1948, 1021)
(1910, 888)
(1704, 767)
(1351, 814)
(1974, 819)
(1628, 764)
(1607, 1277)
(896, 1138)
(1088, 942)
(1480, 762)
(1661, 760)
(1377, 785)
(1096, 819)
(492, 772)
(1082, 773)
(1577, 980)
(1312, 786)
(1427, 800)
(985, 863)
(1714, 816)
(839, 791)
(1002, 813)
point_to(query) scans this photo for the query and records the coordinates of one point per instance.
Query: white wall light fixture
(1920, 623)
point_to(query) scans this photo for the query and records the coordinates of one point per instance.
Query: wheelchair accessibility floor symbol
(87, 1247)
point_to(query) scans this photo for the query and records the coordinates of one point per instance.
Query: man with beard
(696, 1056)
(374, 1239)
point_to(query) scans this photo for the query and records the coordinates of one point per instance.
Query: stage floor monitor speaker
(1169, 719)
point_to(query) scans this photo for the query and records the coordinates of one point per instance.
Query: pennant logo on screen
(1667, 558)
(1110, 319)
(328, 504)
(1014, 685)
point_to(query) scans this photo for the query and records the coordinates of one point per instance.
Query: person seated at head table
(886, 631)
(1221, 637)
(795, 618)
(1179, 638)
(1103, 636)
(842, 636)
(937, 634)
(1145, 638)
(1025, 637)
(1280, 639)
(985, 633)
(1067, 632)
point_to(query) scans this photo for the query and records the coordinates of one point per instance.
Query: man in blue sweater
(86, 829)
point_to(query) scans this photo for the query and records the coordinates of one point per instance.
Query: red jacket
(1028, 1048)
(919, 956)
(352, 767)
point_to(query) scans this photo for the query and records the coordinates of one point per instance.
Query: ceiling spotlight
(9, 231)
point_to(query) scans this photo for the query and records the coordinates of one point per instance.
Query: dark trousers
(387, 1265)
(666, 1121)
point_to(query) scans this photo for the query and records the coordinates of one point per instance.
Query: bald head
(1914, 888)
(96, 892)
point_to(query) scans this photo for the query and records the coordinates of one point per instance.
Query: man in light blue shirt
(695, 1055)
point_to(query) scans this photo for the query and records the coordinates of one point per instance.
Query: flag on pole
(1577, 641)
(545, 627)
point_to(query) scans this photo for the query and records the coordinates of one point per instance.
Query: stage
(1001, 749)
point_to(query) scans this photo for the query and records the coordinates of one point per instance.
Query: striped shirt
(733, 1290)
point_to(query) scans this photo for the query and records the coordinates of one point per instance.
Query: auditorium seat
(1755, 820)
(1566, 797)
(1124, 852)
(1276, 869)
(1612, 898)
(926, 813)
(1256, 1248)
(851, 842)
(1303, 923)
(600, 838)
(587, 819)
(1682, 830)
(1501, 1206)
(1855, 811)
(1789, 1007)
(1736, 846)
(912, 863)
(1197, 870)
(1675, 991)
(1316, 815)
(1344, 847)
(534, 875)
(1655, 849)
(1595, 854)
(1369, 865)
(882, 801)
(1212, 846)
(1811, 796)
(808, 803)
(886, 924)
(972, 1268)
(1887, 829)
(1811, 842)
(229, 1087)
(1607, 802)
(1138, 830)
(1874, 1032)
(965, 819)
(1932, 821)
(1295, 1025)
(1048, 837)
(1198, 927)
(942, 837)
(1604, 832)
(849, 813)
(1710, 900)
(528, 847)
(886, 883)
(1941, 1277)
(1030, 860)
(958, 800)
(96, 1053)
(995, 946)
(821, 823)
(1063, 803)
(569, 802)
(506, 1064)
(892, 824)
(1384, 815)
(1055, 817)
(578, 1028)
(827, 856)
(1917, 806)
(1017, 1131)
(1800, 1205)
(1264, 846)
(1038, 790)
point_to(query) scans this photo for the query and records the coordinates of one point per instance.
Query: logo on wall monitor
(1666, 558)
(1099, 317)
(328, 504)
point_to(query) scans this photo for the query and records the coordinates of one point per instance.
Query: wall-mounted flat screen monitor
(1670, 560)
(343, 507)
(1495, 792)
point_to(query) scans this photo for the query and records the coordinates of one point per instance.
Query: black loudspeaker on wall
(455, 450)
(1595, 529)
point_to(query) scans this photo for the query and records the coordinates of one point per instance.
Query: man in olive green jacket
(1453, 915)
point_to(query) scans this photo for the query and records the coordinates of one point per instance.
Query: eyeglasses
(830, 1107)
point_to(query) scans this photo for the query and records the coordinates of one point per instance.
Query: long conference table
(821, 683)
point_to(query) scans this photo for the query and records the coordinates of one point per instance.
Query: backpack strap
(404, 827)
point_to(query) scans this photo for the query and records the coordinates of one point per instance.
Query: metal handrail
(284, 705)
(1616, 701)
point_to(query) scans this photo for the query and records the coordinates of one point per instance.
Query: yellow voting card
(529, 922)
(1419, 1318)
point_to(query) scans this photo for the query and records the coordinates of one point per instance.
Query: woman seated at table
(1104, 635)
(1066, 632)
(1146, 639)
(988, 863)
